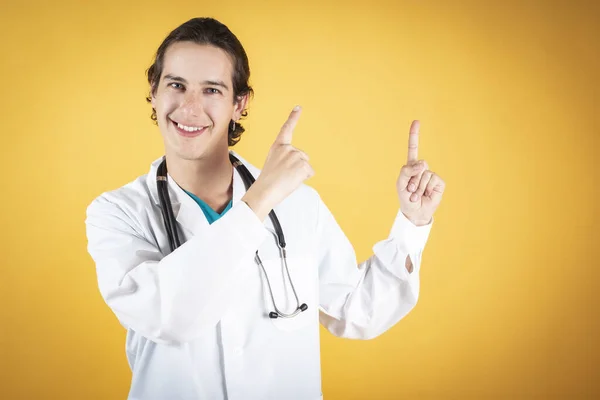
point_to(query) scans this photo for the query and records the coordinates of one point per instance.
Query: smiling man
(219, 301)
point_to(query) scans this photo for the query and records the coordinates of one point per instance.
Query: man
(192, 267)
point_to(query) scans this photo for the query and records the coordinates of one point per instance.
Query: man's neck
(210, 178)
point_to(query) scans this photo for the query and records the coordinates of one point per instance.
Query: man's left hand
(420, 190)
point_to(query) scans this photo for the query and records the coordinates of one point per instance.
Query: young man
(192, 264)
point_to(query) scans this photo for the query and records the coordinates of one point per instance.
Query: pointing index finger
(285, 134)
(413, 142)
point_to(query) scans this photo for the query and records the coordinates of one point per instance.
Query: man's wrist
(418, 222)
(257, 201)
(421, 223)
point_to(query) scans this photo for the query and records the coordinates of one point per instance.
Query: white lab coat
(197, 319)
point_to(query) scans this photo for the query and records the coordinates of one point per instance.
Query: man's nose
(192, 103)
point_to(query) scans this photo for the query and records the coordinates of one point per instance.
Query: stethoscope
(174, 242)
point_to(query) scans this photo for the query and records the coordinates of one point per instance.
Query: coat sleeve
(364, 302)
(169, 299)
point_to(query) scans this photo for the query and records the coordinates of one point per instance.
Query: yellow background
(508, 98)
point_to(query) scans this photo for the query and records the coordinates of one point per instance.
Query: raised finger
(413, 142)
(287, 130)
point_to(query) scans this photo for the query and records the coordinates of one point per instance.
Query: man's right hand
(284, 171)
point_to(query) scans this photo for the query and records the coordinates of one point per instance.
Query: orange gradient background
(508, 98)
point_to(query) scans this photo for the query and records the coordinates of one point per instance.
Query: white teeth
(188, 128)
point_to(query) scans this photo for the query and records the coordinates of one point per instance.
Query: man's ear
(240, 106)
(153, 89)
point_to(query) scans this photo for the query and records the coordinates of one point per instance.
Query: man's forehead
(196, 63)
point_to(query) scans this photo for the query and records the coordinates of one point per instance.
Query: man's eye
(213, 91)
(176, 85)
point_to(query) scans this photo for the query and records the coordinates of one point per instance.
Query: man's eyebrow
(216, 83)
(175, 78)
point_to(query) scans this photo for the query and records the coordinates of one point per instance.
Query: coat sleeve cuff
(410, 237)
(249, 230)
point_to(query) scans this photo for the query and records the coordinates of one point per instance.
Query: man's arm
(169, 299)
(364, 302)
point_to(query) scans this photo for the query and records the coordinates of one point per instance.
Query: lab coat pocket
(303, 280)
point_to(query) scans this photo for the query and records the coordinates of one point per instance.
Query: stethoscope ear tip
(303, 307)
(273, 314)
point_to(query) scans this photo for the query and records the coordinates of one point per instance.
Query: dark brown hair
(207, 31)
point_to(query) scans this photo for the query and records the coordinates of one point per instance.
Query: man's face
(194, 100)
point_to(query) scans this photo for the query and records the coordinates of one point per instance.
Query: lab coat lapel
(188, 214)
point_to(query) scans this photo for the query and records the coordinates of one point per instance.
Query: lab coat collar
(185, 209)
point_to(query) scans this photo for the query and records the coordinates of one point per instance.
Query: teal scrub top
(210, 214)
